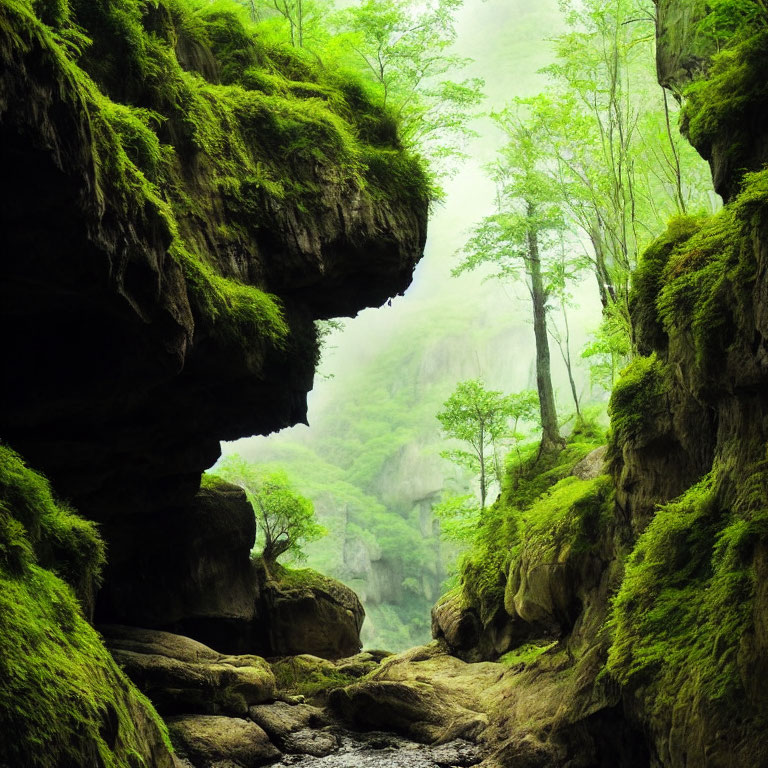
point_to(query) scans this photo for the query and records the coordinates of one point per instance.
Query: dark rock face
(122, 381)
(188, 570)
(205, 584)
(683, 54)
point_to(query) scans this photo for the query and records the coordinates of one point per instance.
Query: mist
(410, 354)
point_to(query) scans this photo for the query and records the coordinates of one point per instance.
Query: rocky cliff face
(637, 622)
(173, 221)
(179, 203)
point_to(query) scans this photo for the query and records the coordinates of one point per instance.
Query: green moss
(687, 596)
(525, 654)
(35, 527)
(708, 281)
(531, 474)
(211, 482)
(301, 578)
(63, 701)
(54, 13)
(233, 310)
(636, 399)
(309, 676)
(483, 570)
(567, 517)
(205, 165)
(725, 106)
(648, 280)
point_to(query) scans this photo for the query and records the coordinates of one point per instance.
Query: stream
(384, 750)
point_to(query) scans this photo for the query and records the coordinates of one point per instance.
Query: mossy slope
(545, 518)
(687, 616)
(63, 700)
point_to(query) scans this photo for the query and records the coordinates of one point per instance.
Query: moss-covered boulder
(207, 740)
(182, 676)
(304, 612)
(308, 677)
(512, 553)
(425, 694)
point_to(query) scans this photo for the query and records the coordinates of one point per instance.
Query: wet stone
(311, 742)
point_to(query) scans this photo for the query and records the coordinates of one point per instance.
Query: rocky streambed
(420, 709)
(386, 750)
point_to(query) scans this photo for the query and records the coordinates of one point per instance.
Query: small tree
(485, 420)
(285, 520)
(404, 47)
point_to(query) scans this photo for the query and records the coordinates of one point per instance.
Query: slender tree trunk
(300, 22)
(676, 157)
(481, 454)
(607, 291)
(564, 345)
(550, 433)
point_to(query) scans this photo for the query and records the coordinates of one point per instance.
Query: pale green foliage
(285, 520)
(622, 166)
(459, 517)
(401, 48)
(522, 237)
(404, 47)
(728, 18)
(607, 351)
(484, 420)
(527, 202)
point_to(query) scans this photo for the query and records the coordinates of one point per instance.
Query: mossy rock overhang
(179, 202)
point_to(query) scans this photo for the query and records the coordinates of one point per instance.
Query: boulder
(310, 742)
(424, 694)
(181, 675)
(206, 740)
(204, 586)
(458, 625)
(308, 613)
(280, 720)
(592, 465)
(360, 664)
